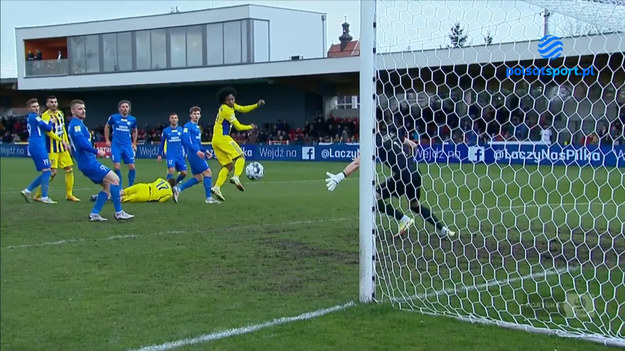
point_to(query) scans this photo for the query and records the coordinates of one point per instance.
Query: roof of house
(352, 49)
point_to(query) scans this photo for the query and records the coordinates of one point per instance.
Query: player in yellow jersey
(159, 190)
(58, 148)
(227, 151)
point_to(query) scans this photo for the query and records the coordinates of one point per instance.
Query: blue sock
(119, 175)
(180, 177)
(131, 176)
(189, 183)
(99, 202)
(117, 202)
(35, 183)
(45, 183)
(207, 186)
(169, 176)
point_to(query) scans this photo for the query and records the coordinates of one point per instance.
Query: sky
(402, 25)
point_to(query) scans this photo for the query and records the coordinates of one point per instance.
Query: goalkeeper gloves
(333, 180)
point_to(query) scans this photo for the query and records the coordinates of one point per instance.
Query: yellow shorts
(226, 150)
(139, 192)
(60, 159)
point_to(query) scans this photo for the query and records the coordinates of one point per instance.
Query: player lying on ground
(405, 181)
(159, 190)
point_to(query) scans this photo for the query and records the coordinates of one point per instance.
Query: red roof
(352, 49)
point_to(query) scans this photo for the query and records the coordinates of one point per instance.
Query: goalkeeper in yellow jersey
(58, 148)
(159, 190)
(228, 152)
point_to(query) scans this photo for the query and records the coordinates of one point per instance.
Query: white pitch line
(244, 330)
(171, 232)
(53, 190)
(455, 290)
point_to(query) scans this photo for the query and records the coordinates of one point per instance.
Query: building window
(178, 45)
(261, 41)
(92, 53)
(158, 39)
(232, 42)
(195, 50)
(109, 53)
(142, 49)
(245, 28)
(124, 51)
(77, 55)
(347, 102)
(214, 44)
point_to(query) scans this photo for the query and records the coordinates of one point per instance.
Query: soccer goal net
(511, 209)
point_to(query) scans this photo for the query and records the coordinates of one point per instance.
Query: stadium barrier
(512, 153)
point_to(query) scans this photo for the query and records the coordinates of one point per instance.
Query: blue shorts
(42, 161)
(198, 165)
(95, 171)
(178, 163)
(125, 153)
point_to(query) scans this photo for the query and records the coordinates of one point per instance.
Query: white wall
(293, 33)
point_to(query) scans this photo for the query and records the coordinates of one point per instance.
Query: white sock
(405, 218)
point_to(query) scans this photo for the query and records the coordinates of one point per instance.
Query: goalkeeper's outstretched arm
(334, 179)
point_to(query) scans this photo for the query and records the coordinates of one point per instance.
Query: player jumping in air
(227, 151)
(38, 152)
(171, 147)
(124, 144)
(85, 156)
(196, 155)
(405, 180)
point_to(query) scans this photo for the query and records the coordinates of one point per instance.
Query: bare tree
(572, 27)
(457, 37)
(488, 38)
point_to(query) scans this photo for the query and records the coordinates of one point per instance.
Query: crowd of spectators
(482, 125)
(331, 130)
(426, 125)
(13, 129)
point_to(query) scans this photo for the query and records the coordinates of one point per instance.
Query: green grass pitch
(284, 247)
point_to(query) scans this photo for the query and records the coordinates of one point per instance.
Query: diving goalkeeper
(405, 181)
(159, 190)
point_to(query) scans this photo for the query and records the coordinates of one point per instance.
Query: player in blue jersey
(85, 156)
(124, 144)
(38, 151)
(173, 150)
(196, 155)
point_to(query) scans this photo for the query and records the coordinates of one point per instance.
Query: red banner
(100, 145)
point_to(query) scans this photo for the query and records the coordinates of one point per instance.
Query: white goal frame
(367, 181)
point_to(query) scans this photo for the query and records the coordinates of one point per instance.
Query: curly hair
(224, 92)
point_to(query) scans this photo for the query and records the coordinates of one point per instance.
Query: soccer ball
(254, 170)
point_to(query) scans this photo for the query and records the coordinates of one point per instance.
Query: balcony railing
(41, 68)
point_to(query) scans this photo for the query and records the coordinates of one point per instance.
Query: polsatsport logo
(550, 47)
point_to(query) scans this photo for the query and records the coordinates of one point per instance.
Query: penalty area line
(244, 330)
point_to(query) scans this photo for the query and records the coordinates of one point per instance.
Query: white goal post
(518, 110)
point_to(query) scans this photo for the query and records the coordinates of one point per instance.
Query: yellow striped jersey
(58, 128)
(226, 118)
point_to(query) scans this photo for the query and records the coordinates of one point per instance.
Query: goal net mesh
(521, 154)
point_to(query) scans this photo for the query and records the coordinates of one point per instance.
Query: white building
(163, 49)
